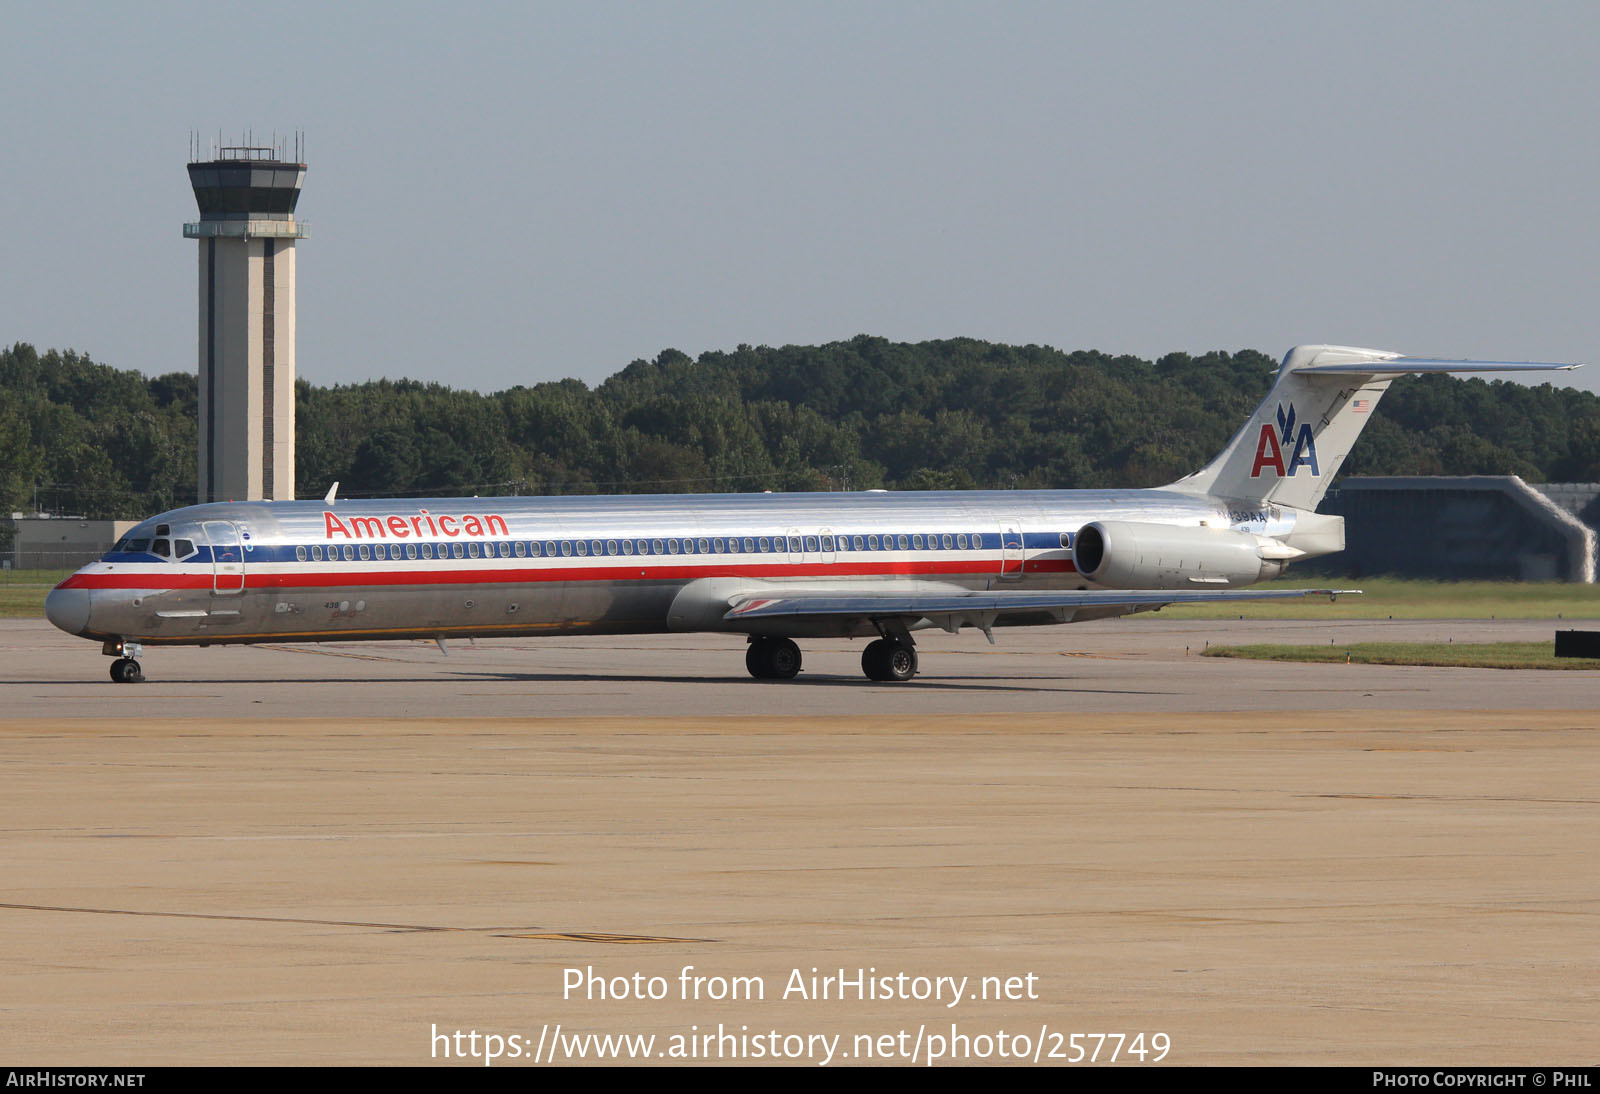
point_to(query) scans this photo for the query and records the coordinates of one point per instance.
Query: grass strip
(1477, 655)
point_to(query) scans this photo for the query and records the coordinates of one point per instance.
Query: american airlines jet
(772, 567)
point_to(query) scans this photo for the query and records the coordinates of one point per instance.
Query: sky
(505, 194)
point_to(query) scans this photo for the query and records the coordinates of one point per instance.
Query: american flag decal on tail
(1361, 406)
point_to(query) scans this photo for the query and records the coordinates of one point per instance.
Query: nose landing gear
(125, 670)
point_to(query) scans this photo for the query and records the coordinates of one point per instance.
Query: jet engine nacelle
(1127, 555)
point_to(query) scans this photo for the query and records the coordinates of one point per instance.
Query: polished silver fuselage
(279, 571)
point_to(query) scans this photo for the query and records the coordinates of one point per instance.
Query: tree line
(85, 438)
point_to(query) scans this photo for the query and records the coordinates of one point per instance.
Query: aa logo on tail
(1273, 443)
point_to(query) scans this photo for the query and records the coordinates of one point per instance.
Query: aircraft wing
(981, 607)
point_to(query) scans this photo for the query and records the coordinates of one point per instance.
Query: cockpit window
(133, 546)
(162, 547)
(182, 548)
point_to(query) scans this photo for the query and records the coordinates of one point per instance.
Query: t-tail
(1298, 438)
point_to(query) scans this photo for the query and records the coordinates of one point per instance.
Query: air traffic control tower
(247, 234)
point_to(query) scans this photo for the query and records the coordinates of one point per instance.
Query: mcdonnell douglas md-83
(772, 567)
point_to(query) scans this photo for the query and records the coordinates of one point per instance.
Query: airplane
(772, 567)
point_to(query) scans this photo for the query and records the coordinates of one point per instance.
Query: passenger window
(627, 546)
(411, 550)
(566, 548)
(961, 541)
(349, 553)
(455, 549)
(749, 546)
(472, 550)
(522, 549)
(766, 545)
(716, 546)
(1066, 539)
(916, 543)
(582, 547)
(316, 553)
(704, 545)
(903, 542)
(811, 544)
(300, 554)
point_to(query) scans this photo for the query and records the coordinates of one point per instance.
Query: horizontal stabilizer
(1402, 366)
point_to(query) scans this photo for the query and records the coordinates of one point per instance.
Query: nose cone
(68, 609)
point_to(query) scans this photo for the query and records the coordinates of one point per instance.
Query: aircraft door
(1011, 552)
(227, 557)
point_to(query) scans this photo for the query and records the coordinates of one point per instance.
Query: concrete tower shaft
(247, 234)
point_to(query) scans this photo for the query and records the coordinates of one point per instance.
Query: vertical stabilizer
(1297, 439)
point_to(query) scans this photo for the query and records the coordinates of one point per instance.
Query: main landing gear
(772, 659)
(889, 659)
